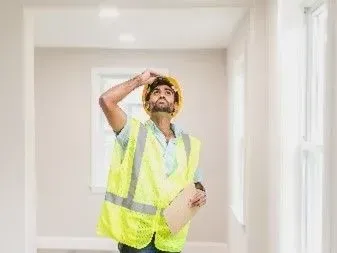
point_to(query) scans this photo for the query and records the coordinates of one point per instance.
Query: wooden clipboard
(178, 213)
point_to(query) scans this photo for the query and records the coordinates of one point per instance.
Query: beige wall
(12, 134)
(66, 207)
(253, 236)
(275, 154)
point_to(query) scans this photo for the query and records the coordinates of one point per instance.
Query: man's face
(162, 99)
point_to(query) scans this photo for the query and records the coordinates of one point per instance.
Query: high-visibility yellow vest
(138, 190)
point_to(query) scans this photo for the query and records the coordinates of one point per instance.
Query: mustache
(161, 99)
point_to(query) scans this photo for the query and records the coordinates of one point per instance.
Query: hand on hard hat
(147, 77)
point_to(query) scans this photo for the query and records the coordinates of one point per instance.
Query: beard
(162, 107)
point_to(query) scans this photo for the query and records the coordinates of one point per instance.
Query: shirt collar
(177, 130)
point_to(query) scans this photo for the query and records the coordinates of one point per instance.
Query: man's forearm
(109, 100)
(120, 91)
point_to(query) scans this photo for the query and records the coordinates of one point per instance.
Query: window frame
(310, 148)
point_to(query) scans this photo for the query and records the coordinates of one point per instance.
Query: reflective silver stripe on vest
(137, 160)
(187, 144)
(128, 202)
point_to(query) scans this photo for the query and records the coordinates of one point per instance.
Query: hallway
(259, 82)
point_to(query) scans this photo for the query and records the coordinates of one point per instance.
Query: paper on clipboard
(178, 213)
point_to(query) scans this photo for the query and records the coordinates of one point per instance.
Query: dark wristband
(199, 186)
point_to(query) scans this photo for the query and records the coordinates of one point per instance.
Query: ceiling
(177, 28)
(146, 3)
(169, 28)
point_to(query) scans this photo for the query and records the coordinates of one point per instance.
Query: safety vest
(138, 190)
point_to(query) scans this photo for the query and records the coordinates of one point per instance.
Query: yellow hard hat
(174, 85)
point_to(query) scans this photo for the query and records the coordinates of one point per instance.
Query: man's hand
(147, 77)
(199, 199)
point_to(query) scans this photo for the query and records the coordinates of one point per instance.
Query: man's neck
(163, 122)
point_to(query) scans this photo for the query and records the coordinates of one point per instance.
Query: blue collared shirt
(168, 148)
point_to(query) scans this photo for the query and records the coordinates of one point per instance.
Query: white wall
(66, 206)
(274, 148)
(330, 138)
(12, 134)
(29, 107)
(257, 132)
(274, 78)
(253, 237)
(237, 241)
(279, 211)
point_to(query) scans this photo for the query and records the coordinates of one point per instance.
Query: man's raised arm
(109, 100)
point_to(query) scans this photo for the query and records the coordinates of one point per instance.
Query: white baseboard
(104, 244)
(203, 247)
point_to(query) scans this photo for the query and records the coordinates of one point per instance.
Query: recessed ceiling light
(108, 12)
(126, 37)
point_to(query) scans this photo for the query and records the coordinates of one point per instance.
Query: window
(238, 140)
(312, 146)
(102, 137)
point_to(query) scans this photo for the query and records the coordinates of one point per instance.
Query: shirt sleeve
(197, 175)
(124, 135)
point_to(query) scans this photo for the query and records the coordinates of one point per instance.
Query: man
(151, 164)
